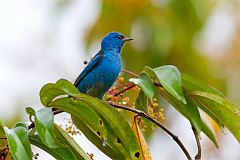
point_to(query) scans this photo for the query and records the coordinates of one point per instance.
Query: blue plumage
(102, 71)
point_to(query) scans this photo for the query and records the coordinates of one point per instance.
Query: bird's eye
(120, 37)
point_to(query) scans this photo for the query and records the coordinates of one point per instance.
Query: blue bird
(102, 71)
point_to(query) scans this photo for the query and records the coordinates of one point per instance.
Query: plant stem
(198, 155)
(130, 73)
(143, 114)
(122, 91)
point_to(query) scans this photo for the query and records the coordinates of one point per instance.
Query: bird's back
(101, 75)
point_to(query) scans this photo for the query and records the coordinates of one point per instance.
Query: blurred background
(43, 41)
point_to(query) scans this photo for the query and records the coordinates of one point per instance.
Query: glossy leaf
(116, 122)
(30, 111)
(145, 84)
(142, 102)
(51, 91)
(193, 84)
(226, 112)
(64, 136)
(103, 121)
(60, 153)
(18, 143)
(194, 120)
(45, 127)
(209, 133)
(109, 148)
(84, 112)
(170, 79)
(95, 113)
(193, 112)
(22, 124)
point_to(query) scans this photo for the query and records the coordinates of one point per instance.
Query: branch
(198, 155)
(122, 91)
(130, 73)
(143, 114)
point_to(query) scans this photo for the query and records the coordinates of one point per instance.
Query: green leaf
(226, 112)
(60, 153)
(183, 109)
(97, 115)
(81, 110)
(45, 127)
(18, 143)
(142, 102)
(2, 125)
(51, 91)
(74, 146)
(113, 153)
(22, 124)
(30, 111)
(101, 118)
(145, 84)
(209, 133)
(193, 112)
(116, 122)
(170, 79)
(193, 84)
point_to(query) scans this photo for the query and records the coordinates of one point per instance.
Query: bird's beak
(127, 39)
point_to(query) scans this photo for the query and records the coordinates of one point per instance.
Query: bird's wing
(91, 65)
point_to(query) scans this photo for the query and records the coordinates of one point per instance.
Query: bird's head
(114, 41)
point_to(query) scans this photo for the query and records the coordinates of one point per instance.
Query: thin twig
(143, 114)
(119, 87)
(122, 91)
(130, 73)
(198, 155)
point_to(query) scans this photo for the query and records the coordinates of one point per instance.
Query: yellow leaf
(145, 154)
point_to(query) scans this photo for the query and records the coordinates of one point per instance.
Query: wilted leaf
(145, 154)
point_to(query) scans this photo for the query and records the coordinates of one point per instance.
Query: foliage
(109, 129)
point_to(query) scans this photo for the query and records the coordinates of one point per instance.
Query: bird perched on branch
(102, 71)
